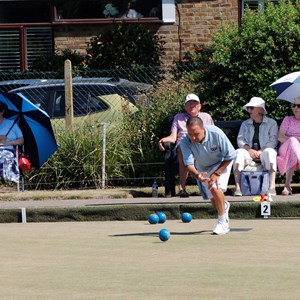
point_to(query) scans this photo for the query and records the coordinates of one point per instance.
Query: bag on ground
(254, 183)
(24, 162)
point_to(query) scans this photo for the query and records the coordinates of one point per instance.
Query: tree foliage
(125, 45)
(244, 60)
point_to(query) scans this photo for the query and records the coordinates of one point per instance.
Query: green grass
(258, 259)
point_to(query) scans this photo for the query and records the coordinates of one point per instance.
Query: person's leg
(269, 162)
(272, 177)
(171, 169)
(239, 164)
(182, 175)
(237, 179)
(219, 203)
(218, 200)
(222, 207)
(288, 179)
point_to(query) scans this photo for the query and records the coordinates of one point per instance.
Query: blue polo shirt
(214, 149)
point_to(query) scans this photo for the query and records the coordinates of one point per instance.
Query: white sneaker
(226, 211)
(238, 192)
(221, 228)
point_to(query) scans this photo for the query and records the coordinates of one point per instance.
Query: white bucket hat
(256, 102)
(191, 97)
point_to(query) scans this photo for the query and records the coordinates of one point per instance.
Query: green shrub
(78, 162)
(244, 60)
(55, 62)
(125, 45)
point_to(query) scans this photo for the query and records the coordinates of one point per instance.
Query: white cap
(256, 102)
(191, 97)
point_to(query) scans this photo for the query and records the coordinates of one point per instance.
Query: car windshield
(84, 104)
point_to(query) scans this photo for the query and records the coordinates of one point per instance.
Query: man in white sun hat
(257, 140)
(192, 107)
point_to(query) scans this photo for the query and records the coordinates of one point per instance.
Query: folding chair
(10, 170)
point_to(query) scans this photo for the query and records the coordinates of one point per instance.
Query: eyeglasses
(295, 105)
(250, 107)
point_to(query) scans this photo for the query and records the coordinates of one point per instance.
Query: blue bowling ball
(162, 218)
(186, 217)
(153, 219)
(164, 234)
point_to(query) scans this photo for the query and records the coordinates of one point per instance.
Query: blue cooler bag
(254, 183)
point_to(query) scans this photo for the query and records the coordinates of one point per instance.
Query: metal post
(103, 154)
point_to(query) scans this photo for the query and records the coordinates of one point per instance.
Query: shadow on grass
(156, 233)
(177, 233)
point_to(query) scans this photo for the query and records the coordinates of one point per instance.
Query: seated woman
(192, 107)
(257, 140)
(288, 159)
(10, 136)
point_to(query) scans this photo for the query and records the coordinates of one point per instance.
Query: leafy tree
(244, 60)
(125, 45)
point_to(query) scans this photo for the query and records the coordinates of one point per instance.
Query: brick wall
(196, 22)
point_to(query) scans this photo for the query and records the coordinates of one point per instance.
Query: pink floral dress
(289, 152)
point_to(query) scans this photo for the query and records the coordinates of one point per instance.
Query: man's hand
(2, 140)
(254, 154)
(201, 177)
(213, 179)
(161, 144)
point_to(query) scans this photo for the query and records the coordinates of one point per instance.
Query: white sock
(222, 219)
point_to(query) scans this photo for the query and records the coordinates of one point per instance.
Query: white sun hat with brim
(191, 97)
(256, 102)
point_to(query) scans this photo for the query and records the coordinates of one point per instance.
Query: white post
(23, 210)
(103, 154)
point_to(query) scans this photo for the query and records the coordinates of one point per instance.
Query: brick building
(32, 28)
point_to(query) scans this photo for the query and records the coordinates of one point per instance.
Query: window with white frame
(125, 9)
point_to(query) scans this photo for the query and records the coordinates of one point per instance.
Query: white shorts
(222, 181)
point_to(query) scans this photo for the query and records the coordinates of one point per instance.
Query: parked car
(123, 86)
(104, 99)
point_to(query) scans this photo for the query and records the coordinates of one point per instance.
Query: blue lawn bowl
(164, 234)
(153, 219)
(162, 218)
(186, 217)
